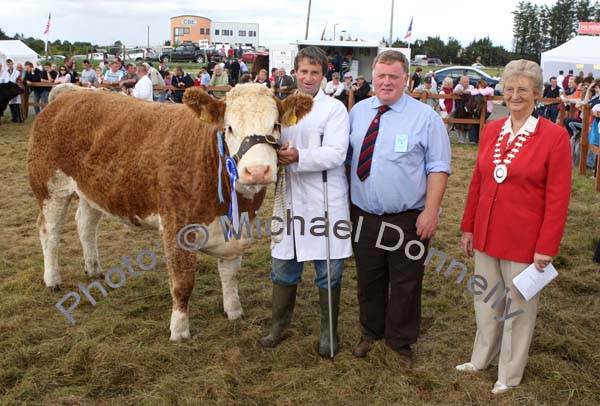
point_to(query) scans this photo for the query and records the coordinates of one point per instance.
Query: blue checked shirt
(398, 179)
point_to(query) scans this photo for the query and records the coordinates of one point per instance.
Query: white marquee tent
(582, 53)
(17, 51)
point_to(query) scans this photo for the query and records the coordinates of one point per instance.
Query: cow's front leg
(181, 266)
(228, 269)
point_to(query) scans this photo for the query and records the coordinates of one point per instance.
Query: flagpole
(391, 23)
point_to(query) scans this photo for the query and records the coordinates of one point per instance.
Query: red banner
(589, 28)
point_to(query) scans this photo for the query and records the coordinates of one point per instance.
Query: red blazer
(527, 212)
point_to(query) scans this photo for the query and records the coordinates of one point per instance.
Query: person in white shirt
(143, 87)
(335, 87)
(318, 143)
(560, 78)
(10, 74)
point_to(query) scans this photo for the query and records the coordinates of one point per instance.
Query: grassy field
(118, 352)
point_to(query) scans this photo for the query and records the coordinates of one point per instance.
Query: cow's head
(8, 91)
(250, 110)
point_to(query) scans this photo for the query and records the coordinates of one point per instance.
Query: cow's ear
(293, 108)
(204, 105)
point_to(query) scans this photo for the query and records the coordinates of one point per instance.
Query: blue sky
(281, 21)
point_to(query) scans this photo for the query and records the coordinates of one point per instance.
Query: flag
(47, 30)
(409, 32)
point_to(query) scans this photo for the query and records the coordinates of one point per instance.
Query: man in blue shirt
(399, 163)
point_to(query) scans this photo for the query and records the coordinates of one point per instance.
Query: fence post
(561, 114)
(350, 99)
(585, 128)
(482, 115)
(25, 103)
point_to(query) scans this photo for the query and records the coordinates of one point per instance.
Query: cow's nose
(257, 174)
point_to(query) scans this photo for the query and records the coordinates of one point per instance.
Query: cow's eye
(230, 129)
(276, 127)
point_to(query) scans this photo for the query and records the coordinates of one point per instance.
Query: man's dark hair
(129, 65)
(47, 64)
(570, 71)
(86, 61)
(560, 72)
(553, 78)
(315, 56)
(9, 60)
(28, 64)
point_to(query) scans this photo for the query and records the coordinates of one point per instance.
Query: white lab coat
(304, 181)
(6, 77)
(143, 89)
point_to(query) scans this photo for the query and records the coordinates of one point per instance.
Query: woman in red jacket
(515, 215)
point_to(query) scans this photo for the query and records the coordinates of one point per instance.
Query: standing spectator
(143, 86)
(550, 92)
(462, 88)
(347, 86)
(234, 69)
(157, 80)
(262, 78)
(219, 78)
(63, 75)
(99, 75)
(393, 136)
(34, 75)
(560, 79)
(180, 80)
(427, 87)
(204, 78)
(104, 64)
(88, 75)
(565, 81)
(130, 78)
(283, 82)
(113, 75)
(361, 89)
(243, 66)
(335, 87)
(48, 76)
(222, 52)
(515, 215)
(273, 76)
(447, 105)
(415, 81)
(10, 74)
(71, 69)
(240, 53)
(484, 90)
(230, 53)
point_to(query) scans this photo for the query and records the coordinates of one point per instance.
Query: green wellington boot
(284, 299)
(335, 309)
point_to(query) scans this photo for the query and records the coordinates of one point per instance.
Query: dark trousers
(389, 283)
(15, 112)
(551, 112)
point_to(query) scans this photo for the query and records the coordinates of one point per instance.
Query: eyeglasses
(521, 91)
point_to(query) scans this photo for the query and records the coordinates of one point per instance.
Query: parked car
(478, 66)
(141, 54)
(184, 53)
(250, 56)
(474, 74)
(434, 61)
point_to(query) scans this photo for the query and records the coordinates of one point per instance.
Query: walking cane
(328, 257)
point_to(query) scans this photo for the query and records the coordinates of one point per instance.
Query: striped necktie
(366, 152)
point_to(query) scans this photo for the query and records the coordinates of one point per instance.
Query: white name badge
(401, 144)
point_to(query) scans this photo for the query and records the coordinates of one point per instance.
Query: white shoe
(467, 367)
(500, 388)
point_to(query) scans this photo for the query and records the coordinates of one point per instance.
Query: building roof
(190, 15)
(348, 44)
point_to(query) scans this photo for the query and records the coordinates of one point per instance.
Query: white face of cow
(250, 109)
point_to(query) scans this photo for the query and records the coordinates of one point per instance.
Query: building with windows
(189, 28)
(233, 33)
(197, 28)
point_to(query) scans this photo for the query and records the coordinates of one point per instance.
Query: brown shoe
(405, 358)
(363, 347)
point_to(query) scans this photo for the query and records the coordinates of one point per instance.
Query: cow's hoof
(178, 336)
(54, 289)
(235, 315)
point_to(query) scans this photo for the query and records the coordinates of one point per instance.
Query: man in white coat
(10, 74)
(318, 143)
(143, 87)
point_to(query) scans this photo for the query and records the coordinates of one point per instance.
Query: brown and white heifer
(154, 164)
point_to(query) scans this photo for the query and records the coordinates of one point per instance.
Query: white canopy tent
(582, 53)
(17, 51)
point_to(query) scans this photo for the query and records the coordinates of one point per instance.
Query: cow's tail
(60, 89)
